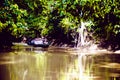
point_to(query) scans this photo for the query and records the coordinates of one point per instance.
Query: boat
(39, 42)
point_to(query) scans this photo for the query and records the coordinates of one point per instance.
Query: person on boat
(44, 40)
(24, 39)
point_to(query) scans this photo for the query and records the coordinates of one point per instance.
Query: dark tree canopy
(53, 18)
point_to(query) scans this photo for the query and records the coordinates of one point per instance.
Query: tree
(12, 23)
(62, 17)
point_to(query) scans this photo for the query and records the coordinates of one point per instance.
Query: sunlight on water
(58, 64)
(83, 65)
(83, 72)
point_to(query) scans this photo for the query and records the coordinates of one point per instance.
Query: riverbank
(93, 49)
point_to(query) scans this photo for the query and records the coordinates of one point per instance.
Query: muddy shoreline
(93, 49)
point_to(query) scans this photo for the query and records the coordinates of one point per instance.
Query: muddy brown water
(53, 63)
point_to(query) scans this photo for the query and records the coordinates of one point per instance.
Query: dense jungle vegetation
(59, 20)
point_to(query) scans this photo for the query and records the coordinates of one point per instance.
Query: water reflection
(31, 63)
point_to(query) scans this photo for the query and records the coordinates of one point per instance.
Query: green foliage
(12, 22)
(50, 17)
(12, 18)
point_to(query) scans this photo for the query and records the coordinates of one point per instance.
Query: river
(54, 63)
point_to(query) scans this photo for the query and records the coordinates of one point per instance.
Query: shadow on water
(30, 63)
(108, 66)
(4, 73)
